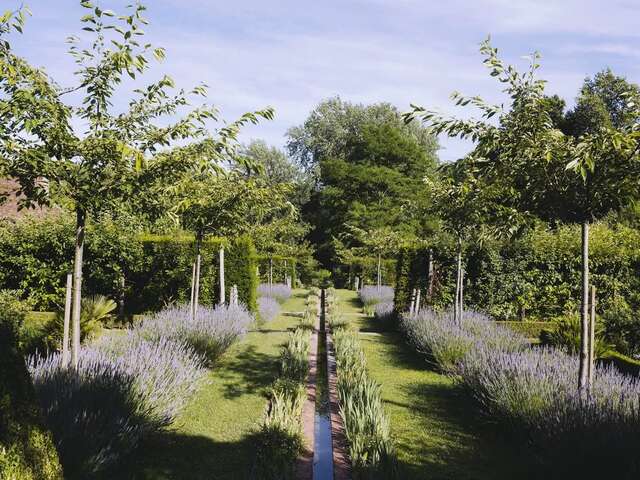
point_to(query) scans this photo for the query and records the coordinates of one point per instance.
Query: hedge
(241, 269)
(27, 451)
(36, 254)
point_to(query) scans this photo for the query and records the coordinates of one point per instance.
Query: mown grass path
(213, 438)
(435, 426)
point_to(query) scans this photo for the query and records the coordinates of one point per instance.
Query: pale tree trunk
(122, 295)
(286, 272)
(583, 379)
(413, 301)
(417, 306)
(430, 276)
(77, 286)
(457, 311)
(196, 283)
(221, 266)
(193, 285)
(592, 335)
(270, 273)
(67, 319)
(379, 271)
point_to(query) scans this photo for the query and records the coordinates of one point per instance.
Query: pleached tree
(119, 156)
(541, 170)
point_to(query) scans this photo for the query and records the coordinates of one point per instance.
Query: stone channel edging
(304, 464)
(341, 464)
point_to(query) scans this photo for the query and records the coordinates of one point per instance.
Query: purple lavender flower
(278, 291)
(268, 309)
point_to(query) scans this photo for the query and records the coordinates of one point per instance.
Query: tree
(556, 176)
(277, 168)
(119, 154)
(332, 126)
(374, 181)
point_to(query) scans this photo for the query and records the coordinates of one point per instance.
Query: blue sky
(292, 54)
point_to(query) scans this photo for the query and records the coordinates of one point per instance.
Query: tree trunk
(461, 307)
(196, 283)
(193, 285)
(77, 286)
(429, 277)
(67, 320)
(379, 271)
(222, 287)
(416, 309)
(413, 301)
(583, 379)
(457, 313)
(270, 272)
(122, 295)
(285, 272)
(592, 335)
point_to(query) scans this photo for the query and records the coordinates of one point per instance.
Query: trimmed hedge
(36, 254)
(27, 451)
(241, 269)
(528, 329)
(167, 271)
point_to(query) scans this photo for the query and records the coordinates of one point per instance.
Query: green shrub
(622, 327)
(95, 311)
(27, 451)
(566, 334)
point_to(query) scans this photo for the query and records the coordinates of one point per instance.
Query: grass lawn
(435, 426)
(213, 438)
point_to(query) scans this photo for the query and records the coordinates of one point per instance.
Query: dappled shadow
(176, 456)
(247, 371)
(447, 438)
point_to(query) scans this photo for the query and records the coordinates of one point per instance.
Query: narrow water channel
(323, 452)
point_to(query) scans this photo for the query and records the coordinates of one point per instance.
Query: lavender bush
(446, 343)
(120, 392)
(372, 295)
(211, 333)
(383, 310)
(278, 291)
(268, 309)
(534, 392)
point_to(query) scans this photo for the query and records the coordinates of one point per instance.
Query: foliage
(565, 335)
(366, 424)
(280, 440)
(241, 270)
(124, 389)
(96, 310)
(210, 333)
(278, 291)
(370, 169)
(534, 392)
(445, 342)
(277, 168)
(27, 449)
(622, 327)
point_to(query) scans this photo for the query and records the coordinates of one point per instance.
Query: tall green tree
(119, 153)
(559, 177)
(370, 178)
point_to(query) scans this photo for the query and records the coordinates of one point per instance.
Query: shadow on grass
(174, 456)
(443, 435)
(248, 371)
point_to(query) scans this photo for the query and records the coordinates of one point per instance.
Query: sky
(292, 54)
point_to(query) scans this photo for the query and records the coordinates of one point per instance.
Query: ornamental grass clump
(120, 393)
(279, 441)
(280, 292)
(366, 424)
(268, 309)
(211, 333)
(372, 295)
